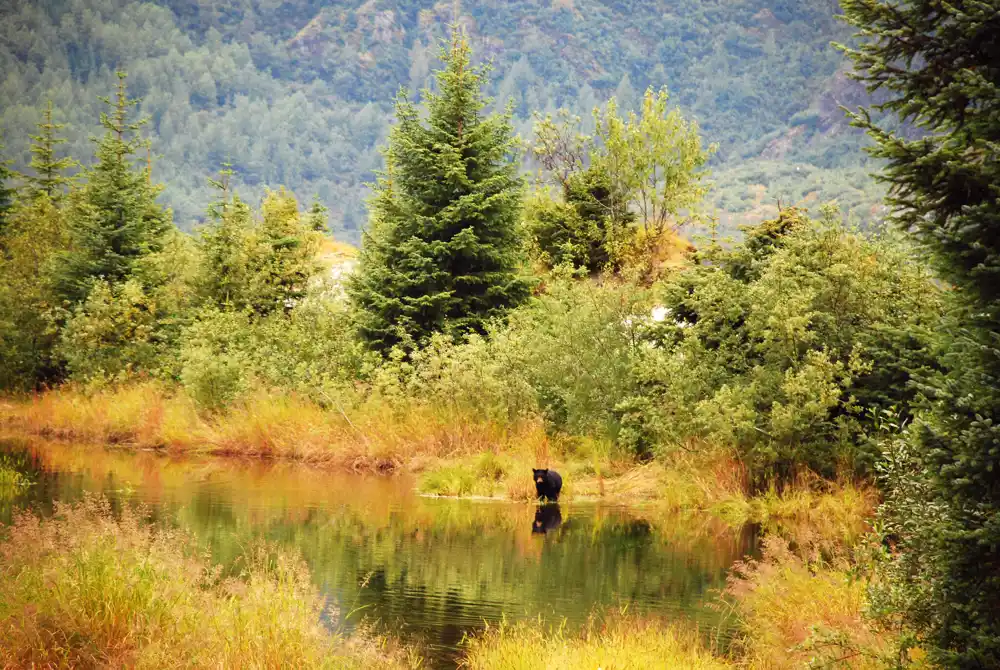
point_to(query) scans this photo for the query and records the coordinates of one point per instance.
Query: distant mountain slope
(300, 92)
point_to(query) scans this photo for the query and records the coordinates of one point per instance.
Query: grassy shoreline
(452, 454)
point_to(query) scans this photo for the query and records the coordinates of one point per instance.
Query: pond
(426, 569)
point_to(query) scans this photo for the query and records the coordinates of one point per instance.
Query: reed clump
(89, 588)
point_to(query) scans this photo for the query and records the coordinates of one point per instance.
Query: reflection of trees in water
(428, 579)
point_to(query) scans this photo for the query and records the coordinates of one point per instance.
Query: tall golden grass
(371, 438)
(798, 609)
(86, 588)
(619, 643)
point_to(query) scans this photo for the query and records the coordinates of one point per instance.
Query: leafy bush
(112, 334)
(568, 354)
(132, 327)
(782, 347)
(309, 350)
(33, 235)
(215, 366)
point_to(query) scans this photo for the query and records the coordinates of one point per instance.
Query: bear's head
(540, 476)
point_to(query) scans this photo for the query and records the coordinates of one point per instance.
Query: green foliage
(317, 219)
(114, 219)
(112, 334)
(654, 160)
(578, 229)
(310, 350)
(285, 254)
(133, 328)
(226, 250)
(48, 168)
(908, 528)
(943, 184)
(441, 253)
(937, 68)
(264, 265)
(32, 241)
(646, 169)
(470, 374)
(215, 360)
(771, 347)
(575, 346)
(567, 355)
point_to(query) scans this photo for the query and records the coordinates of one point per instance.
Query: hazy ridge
(300, 93)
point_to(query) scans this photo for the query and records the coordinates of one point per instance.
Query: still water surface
(428, 569)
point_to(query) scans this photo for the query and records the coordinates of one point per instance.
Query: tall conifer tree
(49, 169)
(286, 249)
(317, 217)
(226, 247)
(938, 66)
(115, 219)
(441, 253)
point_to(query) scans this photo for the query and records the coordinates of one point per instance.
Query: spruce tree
(441, 253)
(937, 66)
(226, 248)
(317, 218)
(49, 177)
(114, 220)
(286, 249)
(261, 267)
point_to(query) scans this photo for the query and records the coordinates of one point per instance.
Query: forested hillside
(299, 93)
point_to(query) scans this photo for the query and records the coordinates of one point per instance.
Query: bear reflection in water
(547, 517)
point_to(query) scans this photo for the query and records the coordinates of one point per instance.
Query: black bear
(548, 483)
(547, 517)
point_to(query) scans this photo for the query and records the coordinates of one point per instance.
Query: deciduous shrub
(783, 347)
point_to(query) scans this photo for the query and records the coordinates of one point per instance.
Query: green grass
(10, 479)
(481, 475)
(617, 644)
(86, 588)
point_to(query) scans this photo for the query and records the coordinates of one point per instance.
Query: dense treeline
(300, 93)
